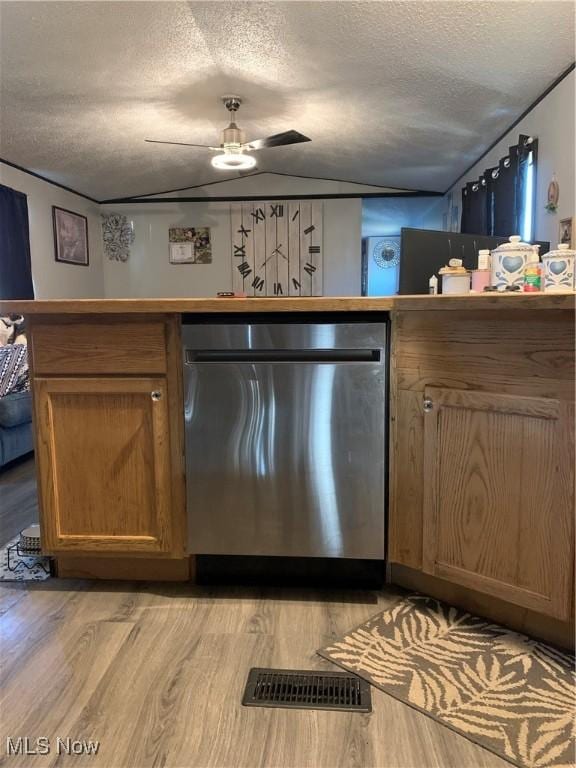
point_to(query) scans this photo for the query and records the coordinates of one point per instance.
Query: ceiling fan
(233, 149)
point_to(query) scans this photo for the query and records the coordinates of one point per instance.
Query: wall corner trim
(48, 181)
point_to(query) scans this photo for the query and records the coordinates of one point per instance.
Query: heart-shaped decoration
(557, 267)
(512, 263)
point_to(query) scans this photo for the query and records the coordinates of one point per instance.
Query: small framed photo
(70, 237)
(190, 245)
(566, 232)
(181, 253)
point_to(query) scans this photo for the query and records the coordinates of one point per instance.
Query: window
(527, 204)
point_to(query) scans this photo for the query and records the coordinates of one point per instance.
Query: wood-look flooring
(155, 673)
(18, 498)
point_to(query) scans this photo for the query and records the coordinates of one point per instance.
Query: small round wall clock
(386, 252)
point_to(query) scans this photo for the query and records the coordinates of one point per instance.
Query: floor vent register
(298, 689)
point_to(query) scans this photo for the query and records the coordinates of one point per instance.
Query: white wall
(52, 279)
(552, 123)
(149, 273)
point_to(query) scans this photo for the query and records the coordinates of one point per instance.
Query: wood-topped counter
(490, 301)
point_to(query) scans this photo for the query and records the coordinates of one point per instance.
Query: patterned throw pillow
(14, 369)
(6, 331)
(12, 330)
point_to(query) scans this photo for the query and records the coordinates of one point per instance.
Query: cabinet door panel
(496, 507)
(104, 462)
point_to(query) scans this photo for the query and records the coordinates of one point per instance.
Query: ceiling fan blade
(278, 140)
(181, 144)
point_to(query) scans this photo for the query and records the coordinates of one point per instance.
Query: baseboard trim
(123, 569)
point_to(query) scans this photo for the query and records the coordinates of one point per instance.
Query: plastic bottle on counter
(433, 285)
(481, 276)
(533, 272)
(484, 259)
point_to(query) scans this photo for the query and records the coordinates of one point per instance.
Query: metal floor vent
(299, 689)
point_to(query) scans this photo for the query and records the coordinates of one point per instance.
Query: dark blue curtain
(494, 205)
(475, 207)
(15, 264)
(505, 190)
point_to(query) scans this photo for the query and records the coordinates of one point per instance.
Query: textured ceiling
(403, 94)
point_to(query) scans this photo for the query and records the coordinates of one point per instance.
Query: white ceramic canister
(455, 279)
(455, 284)
(509, 261)
(559, 269)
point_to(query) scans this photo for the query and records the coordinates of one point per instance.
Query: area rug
(512, 695)
(16, 567)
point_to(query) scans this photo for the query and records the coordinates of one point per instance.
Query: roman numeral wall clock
(276, 248)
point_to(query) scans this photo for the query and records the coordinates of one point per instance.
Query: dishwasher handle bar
(283, 356)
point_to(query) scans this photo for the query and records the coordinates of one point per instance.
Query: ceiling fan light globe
(233, 161)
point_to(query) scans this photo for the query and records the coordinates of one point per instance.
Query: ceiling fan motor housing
(232, 136)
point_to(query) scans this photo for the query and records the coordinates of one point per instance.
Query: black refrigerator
(424, 251)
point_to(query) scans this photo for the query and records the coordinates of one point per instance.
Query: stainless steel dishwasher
(286, 438)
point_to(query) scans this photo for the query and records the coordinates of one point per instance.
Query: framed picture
(566, 232)
(70, 237)
(190, 245)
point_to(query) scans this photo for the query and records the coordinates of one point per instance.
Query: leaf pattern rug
(501, 689)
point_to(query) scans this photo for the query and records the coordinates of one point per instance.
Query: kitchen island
(481, 425)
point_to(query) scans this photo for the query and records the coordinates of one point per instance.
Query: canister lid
(562, 251)
(515, 244)
(453, 270)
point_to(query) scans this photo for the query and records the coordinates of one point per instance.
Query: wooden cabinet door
(103, 452)
(497, 496)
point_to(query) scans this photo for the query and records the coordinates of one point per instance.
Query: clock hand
(275, 252)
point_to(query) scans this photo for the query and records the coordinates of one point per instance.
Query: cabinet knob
(428, 405)
(156, 395)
